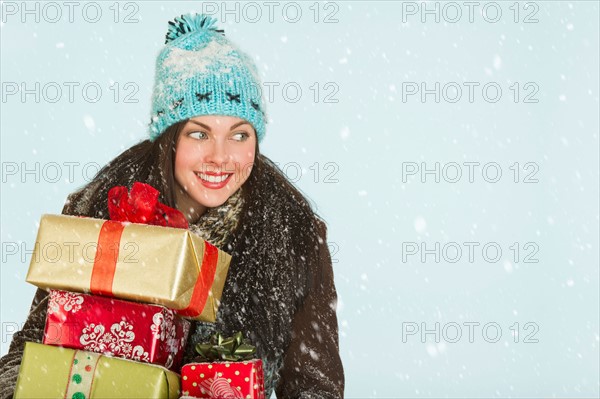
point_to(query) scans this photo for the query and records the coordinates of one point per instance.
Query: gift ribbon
(81, 375)
(219, 387)
(206, 275)
(141, 205)
(232, 349)
(105, 262)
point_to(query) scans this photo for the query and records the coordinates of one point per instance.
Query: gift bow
(232, 349)
(141, 205)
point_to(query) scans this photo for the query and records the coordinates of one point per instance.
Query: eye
(197, 135)
(241, 136)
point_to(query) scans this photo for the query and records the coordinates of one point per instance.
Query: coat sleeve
(32, 331)
(312, 367)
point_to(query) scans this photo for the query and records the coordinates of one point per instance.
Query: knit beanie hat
(200, 72)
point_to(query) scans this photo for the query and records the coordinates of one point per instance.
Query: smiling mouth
(213, 178)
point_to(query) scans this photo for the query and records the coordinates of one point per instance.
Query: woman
(203, 156)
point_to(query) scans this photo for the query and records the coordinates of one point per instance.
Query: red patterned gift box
(130, 330)
(232, 380)
(237, 377)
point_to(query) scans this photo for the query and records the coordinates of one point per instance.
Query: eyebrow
(208, 127)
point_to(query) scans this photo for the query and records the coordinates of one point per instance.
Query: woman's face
(213, 158)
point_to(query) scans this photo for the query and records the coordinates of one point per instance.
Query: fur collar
(217, 224)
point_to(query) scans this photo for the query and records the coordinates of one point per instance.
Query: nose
(216, 154)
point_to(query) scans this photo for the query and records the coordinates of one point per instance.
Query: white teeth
(213, 179)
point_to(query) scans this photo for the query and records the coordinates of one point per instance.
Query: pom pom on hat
(189, 23)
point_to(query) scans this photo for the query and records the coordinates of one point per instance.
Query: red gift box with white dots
(130, 330)
(235, 380)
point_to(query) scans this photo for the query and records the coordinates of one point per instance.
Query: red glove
(141, 206)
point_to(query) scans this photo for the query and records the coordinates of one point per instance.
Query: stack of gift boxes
(121, 297)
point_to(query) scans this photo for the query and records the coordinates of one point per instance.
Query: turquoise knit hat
(200, 72)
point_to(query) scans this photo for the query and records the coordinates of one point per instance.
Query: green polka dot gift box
(54, 372)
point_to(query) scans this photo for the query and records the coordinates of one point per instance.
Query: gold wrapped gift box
(162, 265)
(54, 372)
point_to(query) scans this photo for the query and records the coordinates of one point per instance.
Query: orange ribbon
(105, 262)
(203, 283)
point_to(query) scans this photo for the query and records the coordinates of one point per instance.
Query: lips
(213, 180)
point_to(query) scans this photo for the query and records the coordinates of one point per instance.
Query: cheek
(245, 158)
(182, 164)
(185, 157)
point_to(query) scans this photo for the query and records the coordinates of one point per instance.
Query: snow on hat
(200, 72)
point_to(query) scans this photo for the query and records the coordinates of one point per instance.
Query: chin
(212, 201)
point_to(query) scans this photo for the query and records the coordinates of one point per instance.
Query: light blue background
(370, 210)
